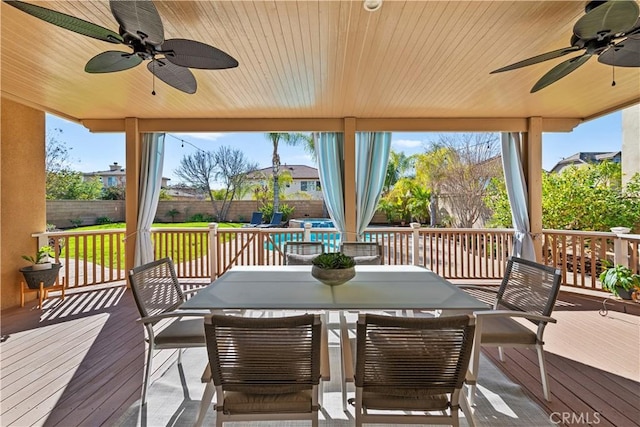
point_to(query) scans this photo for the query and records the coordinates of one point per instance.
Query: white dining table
(374, 287)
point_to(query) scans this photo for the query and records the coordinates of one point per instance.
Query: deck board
(79, 362)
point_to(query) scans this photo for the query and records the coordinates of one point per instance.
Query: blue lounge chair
(276, 220)
(256, 219)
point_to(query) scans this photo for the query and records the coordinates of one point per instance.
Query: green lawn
(103, 250)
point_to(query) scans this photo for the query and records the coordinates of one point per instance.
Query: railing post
(415, 254)
(213, 250)
(43, 240)
(620, 247)
(306, 237)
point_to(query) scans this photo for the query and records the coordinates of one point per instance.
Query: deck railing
(98, 257)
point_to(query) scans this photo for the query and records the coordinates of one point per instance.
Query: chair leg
(205, 403)
(147, 374)
(466, 410)
(475, 360)
(543, 373)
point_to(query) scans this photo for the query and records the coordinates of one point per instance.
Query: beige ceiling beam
(334, 125)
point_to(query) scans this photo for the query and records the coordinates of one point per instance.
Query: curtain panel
(150, 183)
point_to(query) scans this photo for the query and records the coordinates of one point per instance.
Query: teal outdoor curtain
(518, 199)
(150, 182)
(372, 158)
(330, 154)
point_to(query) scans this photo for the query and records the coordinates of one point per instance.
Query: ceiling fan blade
(140, 19)
(612, 17)
(112, 60)
(559, 71)
(180, 78)
(68, 22)
(539, 58)
(623, 54)
(193, 54)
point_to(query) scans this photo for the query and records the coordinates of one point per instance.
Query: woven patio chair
(412, 364)
(301, 253)
(528, 291)
(158, 295)
(363, 253)
(265, 368)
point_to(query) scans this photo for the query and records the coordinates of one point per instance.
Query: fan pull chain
(153, 80)
(613, 67)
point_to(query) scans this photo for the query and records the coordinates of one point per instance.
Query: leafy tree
(264, 193)
(460, 166)
(399, 166)
(431, 172)
(225, 165)
(290, 139)
(56, 152)
(69, 185)
(589, 197)
(114, 192)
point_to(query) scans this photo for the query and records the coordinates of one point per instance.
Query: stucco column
(350, 179)
(133, 164)
(533, 174)
(23, 208)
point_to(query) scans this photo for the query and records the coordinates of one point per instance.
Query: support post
(133, 163)
(306, 237)
(350, 203)
(415, 256)
(213, 250)
(533, 174)
(620, 247)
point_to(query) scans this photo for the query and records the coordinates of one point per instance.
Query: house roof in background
(585, 158)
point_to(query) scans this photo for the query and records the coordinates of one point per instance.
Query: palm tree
(399, 166)
(289, 139)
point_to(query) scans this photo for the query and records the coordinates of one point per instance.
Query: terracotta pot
(333, 277)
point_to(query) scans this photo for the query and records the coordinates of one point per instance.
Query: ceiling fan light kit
(609, 30)
(140, 29)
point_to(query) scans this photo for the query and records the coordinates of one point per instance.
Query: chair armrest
(172, 314)
(470, 378)
(478, 288)
(512, 313)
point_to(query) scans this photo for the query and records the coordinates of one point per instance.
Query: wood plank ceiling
(321, 59)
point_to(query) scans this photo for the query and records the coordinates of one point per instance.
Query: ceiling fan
(140, 28)
(609, 29)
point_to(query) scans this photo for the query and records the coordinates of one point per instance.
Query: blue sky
(96, 151)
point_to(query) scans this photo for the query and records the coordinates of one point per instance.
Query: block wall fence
(62, 212)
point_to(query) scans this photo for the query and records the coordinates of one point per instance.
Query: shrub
(103, 220)
(200, 217)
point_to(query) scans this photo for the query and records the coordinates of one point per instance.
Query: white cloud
(206, 136)
(407, 143)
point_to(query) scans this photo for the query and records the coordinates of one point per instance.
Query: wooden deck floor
(79, 363)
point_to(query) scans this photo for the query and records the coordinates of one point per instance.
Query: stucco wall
(630, 142)
(22, 193)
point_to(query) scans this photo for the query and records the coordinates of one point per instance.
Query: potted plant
(334, 268)
(620, 281)
(42, 259)
(42, 269)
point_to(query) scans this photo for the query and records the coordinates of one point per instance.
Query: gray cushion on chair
(408, 402)
(185, 331)
(244, 403)
(367, 260)
(297, 259)
(496, 330)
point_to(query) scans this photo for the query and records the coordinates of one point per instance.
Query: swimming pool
(315, 222)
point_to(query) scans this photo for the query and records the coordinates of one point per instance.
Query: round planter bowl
(333, 277)
(33, 277)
